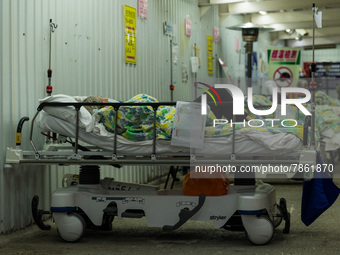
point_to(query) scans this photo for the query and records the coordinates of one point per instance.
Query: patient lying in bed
(136, 122)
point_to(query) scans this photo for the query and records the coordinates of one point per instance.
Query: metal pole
(171, 73)
(313, 86)
(217, 67)
(77, 131)
(49, 58)
(239, 72)
(233, 138)
(49, 70)
(115, 134)
(31, 134)
(154, 131)
(249, 52)
(313, 32)
(195, 75)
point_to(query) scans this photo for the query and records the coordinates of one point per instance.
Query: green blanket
(136, 122)
(321, 98)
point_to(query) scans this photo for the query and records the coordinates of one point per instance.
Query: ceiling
(296, 15)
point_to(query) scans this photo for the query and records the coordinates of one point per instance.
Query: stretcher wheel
(261, 230)
(286, 215)
(278, 217)
(71, 227)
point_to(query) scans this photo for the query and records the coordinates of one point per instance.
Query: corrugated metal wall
(229, 37)
(87, 59)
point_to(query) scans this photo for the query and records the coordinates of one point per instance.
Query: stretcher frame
(251, 208)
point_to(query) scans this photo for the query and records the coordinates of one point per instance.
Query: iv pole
(172, 85)
(49, 87)
(195, 74)
(313, 85)
(49, 70)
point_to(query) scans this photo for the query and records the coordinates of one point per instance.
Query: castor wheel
(286, 215)
(278, 217)
(259, 230)
(70, 226)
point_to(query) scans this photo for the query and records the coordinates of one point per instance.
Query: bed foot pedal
(37, 214)
(185, 215)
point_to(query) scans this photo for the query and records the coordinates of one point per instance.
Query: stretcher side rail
(115, 106)
(78, 157)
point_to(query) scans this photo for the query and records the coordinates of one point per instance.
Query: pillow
(68, 113)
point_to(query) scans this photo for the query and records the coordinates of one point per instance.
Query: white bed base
(252, 209)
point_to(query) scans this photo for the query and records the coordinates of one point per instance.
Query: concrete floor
(132, 236)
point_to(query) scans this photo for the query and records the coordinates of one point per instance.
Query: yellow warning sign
(130, 49)
(210, 58)
(130, 33)
(130, 16)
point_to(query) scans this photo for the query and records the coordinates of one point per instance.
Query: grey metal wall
(228, 38)
(87, 59)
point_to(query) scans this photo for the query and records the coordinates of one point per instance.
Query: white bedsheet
(246, 144)
(331, 139)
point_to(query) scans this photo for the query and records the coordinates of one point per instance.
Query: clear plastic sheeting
(189, 125)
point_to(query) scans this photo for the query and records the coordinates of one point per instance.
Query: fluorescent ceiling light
(298, 38)
(302, 32)
(263, 12)
(290, 31)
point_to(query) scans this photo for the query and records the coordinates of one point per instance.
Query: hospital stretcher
(92, 203)
(327, 122)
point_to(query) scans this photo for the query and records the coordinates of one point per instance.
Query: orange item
(208, 186)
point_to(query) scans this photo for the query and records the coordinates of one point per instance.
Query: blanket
(321, 98)
(136, 122)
